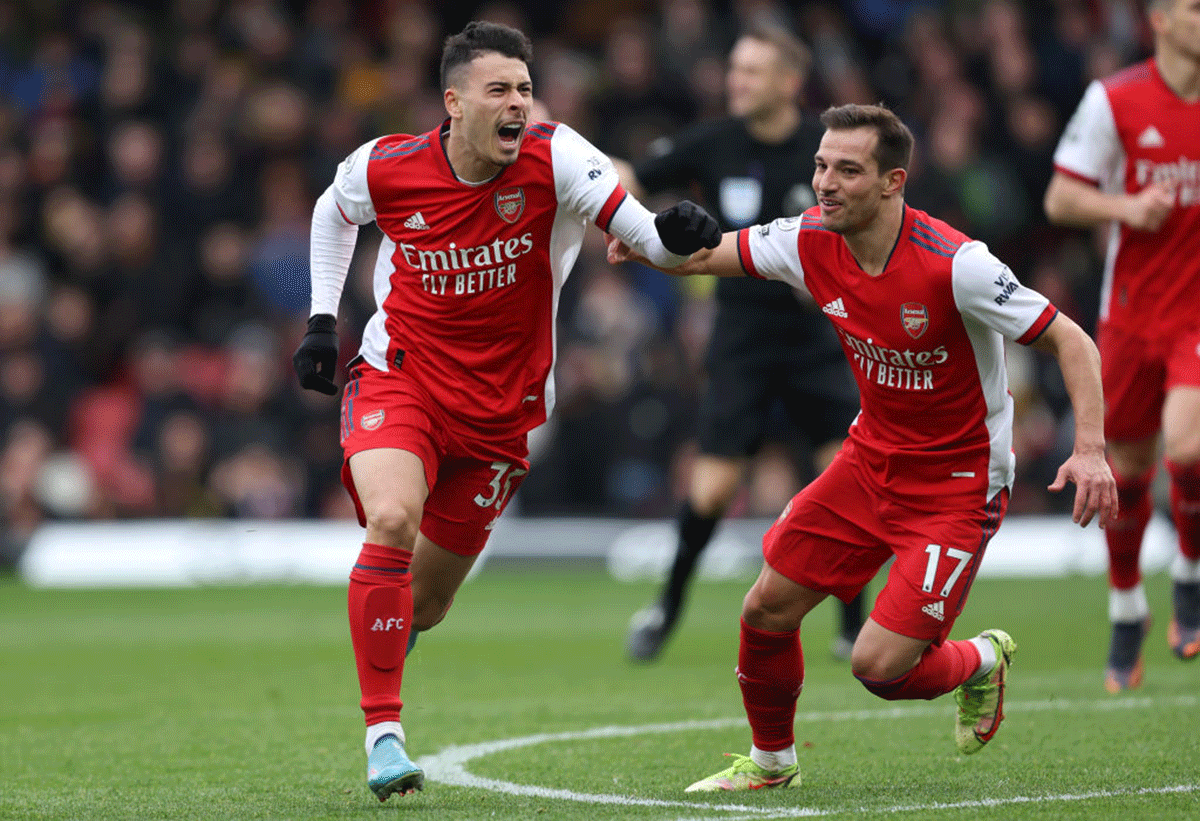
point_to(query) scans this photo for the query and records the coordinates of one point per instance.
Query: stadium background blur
(159, 162)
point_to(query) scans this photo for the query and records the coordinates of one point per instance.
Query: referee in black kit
(767, 346)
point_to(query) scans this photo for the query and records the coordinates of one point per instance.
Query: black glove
(686, 228)
(316, 359)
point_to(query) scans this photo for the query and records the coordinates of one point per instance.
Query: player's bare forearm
(1070, 201)
(1087, 467)
(721, 261)
(1079, 361)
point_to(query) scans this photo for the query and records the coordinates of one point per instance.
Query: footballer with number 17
(482, 219)
(922, 313)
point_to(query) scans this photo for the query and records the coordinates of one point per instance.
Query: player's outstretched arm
(664, 240)
(1070, 201)
(685, 228)
(1087, 468)
(721, 261)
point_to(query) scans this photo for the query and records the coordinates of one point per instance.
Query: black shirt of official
(742, 182)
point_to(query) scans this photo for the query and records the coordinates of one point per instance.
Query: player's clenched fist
(315, 359)
(686, 228)
(1149, 208)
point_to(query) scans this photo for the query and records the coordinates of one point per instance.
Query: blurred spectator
(279, 257)
(636, 104)
(206, 188)
(259, 483)
(225, 296)
(22, 288)
(135, 159)
(251, 405)
(57, 79)
(23, 451)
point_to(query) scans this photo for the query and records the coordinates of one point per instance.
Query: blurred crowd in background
(159, 162)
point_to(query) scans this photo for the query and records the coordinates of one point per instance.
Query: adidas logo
(1150, 138)
(937, 610)
(416, 222)
(836, 308)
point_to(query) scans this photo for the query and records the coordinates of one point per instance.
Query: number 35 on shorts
(500, 486)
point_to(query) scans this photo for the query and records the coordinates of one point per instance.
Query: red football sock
(771, 672)
(1124, 533)
(1185, 507)
(380, 604)
(942, 668)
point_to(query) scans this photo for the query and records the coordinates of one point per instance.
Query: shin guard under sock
(1124, 533)
(1185, 507)
(380, 606)
(770, 672)
(941, 669)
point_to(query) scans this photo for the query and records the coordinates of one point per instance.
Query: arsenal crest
(372, 420)
(915, 318)
(510, 204)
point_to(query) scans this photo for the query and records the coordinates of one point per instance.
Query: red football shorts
(469, 480)
(836, 533)
(1138, 373)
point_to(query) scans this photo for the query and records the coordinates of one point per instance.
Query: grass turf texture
(221, 703)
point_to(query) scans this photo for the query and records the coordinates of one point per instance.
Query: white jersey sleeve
(772, 251)
(584, 178)
(986, 291)
(350, 190)
(586, 183)
(1090, 147)
(330, 248)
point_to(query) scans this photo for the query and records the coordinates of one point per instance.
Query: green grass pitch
(241, 703)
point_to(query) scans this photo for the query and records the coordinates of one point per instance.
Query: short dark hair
(895, 145)
(791, 50)
(480, 36)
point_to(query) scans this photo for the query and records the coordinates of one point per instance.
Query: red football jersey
(1130, 130)
(468, 275)
(926, 342)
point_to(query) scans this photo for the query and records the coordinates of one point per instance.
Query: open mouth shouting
(510, 134)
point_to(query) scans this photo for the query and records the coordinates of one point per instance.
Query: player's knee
(876, 666)
(392, 525)
(872, 671)
(886, 678)
(711, 498)
(715, 481)
(765, 613)
(754, 606)
(707, 506)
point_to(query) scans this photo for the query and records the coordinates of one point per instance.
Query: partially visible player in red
(482, 219)
(922, 312)
(1130, 158)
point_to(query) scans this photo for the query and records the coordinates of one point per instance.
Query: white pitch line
(449, 765)
(962, 805)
